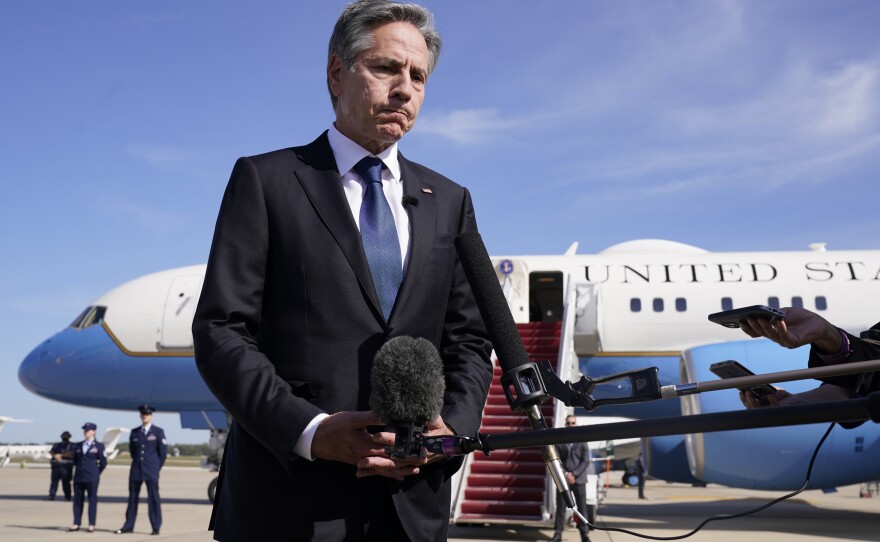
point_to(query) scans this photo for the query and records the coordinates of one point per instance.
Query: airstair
(510, 485)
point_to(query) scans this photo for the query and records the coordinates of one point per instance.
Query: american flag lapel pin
(427, 191)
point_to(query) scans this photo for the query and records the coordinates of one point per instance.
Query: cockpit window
(90, 316)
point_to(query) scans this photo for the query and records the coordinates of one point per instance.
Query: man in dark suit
(321, 253)
(148, 452)
(89, 462)
(62, 466)
(577, 463)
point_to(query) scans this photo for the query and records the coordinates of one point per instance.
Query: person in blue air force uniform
(89, 461)
(148, 452)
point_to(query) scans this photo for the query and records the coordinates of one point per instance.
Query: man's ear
(334, 74)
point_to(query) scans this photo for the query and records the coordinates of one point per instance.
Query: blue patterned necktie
(379, 235)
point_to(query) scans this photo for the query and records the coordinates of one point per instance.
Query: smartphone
(733, 317)
(732, 369)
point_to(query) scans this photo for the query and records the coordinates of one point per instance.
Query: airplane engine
(771, 458)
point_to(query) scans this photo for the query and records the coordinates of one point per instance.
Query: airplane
(636, 304)
(36, 452)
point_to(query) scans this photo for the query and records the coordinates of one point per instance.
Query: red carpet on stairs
(509, 484)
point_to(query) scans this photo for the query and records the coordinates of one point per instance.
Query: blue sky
(728, 125)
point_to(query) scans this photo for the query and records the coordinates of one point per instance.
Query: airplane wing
(4, 419)
(620, 449)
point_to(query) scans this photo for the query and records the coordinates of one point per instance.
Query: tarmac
(670, 510)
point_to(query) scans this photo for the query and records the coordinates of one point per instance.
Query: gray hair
(353, 32)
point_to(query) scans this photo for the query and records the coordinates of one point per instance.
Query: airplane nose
(33, 366)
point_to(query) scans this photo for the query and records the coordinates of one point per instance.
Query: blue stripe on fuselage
(86, 367)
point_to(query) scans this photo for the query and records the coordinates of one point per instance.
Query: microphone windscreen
(490, 300)
(407, 381)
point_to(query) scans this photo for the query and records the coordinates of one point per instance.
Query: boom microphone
(407, 390)
(508, 345)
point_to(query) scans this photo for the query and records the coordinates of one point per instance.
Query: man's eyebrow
(394, 62)
(384, 60)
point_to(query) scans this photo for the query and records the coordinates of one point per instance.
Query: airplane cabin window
(681, 304)
(635, 304)
(726, 304)
(797, 301)
(658, 304)
(773, 302)
(821, 303)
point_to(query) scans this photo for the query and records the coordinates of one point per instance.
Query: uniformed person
(89, 460)
(148, 451)
(62, 466)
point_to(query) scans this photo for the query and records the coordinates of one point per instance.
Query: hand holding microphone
(408, 384)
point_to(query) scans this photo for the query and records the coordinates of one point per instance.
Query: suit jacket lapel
(422, 223)
(320, 181)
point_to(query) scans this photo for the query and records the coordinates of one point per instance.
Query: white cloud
(485, 126)
(465, 126)
(161, 156)
(148, 219)
(806, 125)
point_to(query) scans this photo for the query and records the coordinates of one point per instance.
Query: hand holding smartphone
(733, 317)
(732, 369)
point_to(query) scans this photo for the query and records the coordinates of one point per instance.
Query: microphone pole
(861, 409)
(522, 384)
(679, 390)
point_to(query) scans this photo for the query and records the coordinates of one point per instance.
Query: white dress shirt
(348, 153)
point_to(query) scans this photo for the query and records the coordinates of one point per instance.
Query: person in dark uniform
(89, 461)
(641, 470)
(148, 452)
(62, 466)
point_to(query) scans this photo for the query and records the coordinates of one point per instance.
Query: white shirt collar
(348, 153)
(146, 428)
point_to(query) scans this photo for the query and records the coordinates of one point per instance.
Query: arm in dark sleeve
(583, 459)
(162, 448)
(102, 458)
(227, 322)
(465, 347)
(859, 350)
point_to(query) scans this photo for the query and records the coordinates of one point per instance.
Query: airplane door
(180, 308)
(587, 339)
(545, 296)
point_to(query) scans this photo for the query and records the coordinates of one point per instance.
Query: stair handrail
(566, 361)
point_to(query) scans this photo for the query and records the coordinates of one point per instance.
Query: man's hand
(382, 465)
(750, 400)
(343, 437)
(569, 477)
(799, 327)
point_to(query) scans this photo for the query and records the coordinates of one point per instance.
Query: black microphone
(407, 391)
(409, 200)
(508, 345)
